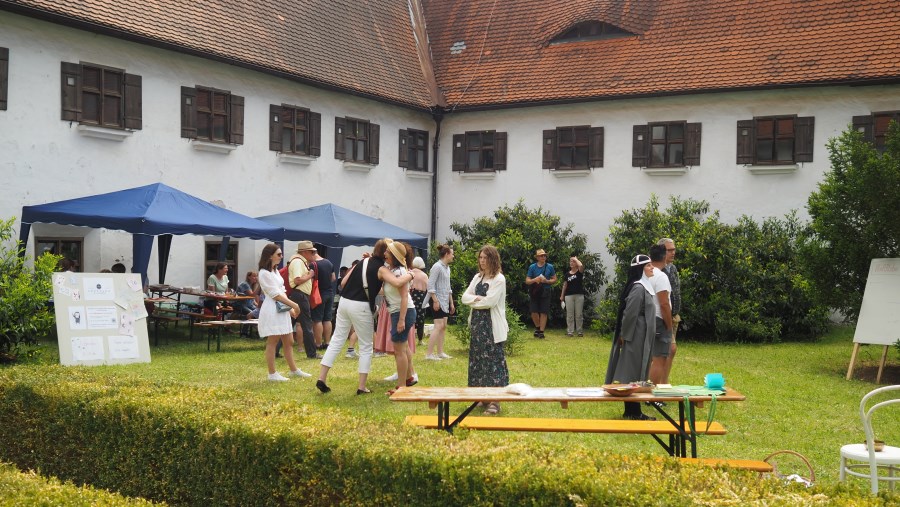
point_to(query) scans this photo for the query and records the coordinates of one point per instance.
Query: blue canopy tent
(148, 211)
(337, 227)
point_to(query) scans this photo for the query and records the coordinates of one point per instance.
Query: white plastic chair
(888, 459)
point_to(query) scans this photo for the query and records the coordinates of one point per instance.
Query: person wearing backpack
(300, 278)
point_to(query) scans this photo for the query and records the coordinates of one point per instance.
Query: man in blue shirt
(541, 277)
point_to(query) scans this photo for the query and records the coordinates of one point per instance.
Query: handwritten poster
(123, 347)
(87, 348)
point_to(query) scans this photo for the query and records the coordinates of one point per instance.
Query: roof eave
(169, 46)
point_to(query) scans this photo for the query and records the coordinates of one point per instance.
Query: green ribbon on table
(687, 392)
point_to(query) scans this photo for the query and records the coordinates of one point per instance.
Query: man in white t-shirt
(663, 305)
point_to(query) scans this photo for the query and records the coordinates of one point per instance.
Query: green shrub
(24, 313)
(28, 488)
(200, 446)
(854, 218)
(515, 340)
(517, 232)
(739, 282)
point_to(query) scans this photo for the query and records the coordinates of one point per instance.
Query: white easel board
(100, 318)
(879, 316)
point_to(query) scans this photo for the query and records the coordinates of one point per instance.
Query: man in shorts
(541, 277)
(322, 314)
(663, 306)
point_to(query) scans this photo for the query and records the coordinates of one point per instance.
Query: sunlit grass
(797, 397)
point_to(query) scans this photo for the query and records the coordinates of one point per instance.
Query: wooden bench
(214, 328)
(566, 425)
(746, 464)
(161, 321)
(194, 318)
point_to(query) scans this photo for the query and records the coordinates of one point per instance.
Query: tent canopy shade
(147, 211)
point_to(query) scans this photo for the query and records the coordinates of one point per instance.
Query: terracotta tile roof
(361, 46)
(680, 46)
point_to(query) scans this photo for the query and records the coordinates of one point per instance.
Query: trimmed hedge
(205, 446)
(28, 488)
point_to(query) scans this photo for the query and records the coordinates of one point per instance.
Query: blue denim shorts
(410, 324)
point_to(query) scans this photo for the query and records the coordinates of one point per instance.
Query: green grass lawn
(797, 397)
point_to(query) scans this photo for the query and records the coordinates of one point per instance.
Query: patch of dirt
(868, 372)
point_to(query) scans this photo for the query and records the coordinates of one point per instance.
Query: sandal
(493, 408)
(411, 381)
(363, 391)
(392, 391)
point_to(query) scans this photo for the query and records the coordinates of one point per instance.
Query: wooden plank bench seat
(746, 464)
(566, 425)
(214, 328)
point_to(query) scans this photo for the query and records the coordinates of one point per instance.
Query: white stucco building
(510, 82)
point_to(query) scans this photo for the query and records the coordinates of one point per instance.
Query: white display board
(879, 316)
(100, 318)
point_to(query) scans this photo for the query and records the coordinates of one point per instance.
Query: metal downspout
(438, 116)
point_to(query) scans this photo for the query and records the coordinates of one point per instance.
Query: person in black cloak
(629, 358)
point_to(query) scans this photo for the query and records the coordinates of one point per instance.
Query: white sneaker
(416, 377)
(432, 357)
(300, 373)
(351, 354)
(391, 378)
(379, 354)
(277, 377)
(444, 355)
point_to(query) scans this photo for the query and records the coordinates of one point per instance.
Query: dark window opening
(591, 30)
(68, 248)
(413, 153)
(479, 151)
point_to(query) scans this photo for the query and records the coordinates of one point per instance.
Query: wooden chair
(887, 459)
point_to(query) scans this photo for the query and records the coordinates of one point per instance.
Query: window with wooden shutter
(413, 150)
(548, 150)
(4, 77)
(102, 96)
(666, 144)
(774, 140)
(692, 144)
(863, 124)
(596, 148)
(480, 151)
(881, 123)
(188, 112)
(573, 147)
(294, 129)
(356, 140)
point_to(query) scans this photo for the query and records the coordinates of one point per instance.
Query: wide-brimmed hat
(540, 252)
(640, 259)
(398, 251)
(305, 245)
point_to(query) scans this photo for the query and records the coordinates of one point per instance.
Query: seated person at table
(249, 287)
(218, 283)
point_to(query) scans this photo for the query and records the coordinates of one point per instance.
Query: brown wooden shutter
(692, 144)
(340, 126)
(640, 145)
(315, 134)
(549, 150)
(864, 124)
(71, 93)
(275, 127)
(4, 76)
(803, 138)
(459, 152)
(403, 150)
(596, 147)
(188, 112)
(237, 119)
(746, 141)
(133, 102)
(374, 135)
(500, 151)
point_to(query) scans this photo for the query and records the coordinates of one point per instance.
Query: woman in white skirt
(274, 325)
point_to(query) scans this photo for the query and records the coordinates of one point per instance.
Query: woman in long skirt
(486, 295)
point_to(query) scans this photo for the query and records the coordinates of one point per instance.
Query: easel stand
(884, 354)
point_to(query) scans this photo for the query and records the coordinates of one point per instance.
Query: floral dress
(487, 362)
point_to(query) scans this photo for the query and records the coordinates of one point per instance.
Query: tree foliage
(854, 218)
(739, 282)
(24, 313)
(517, 231)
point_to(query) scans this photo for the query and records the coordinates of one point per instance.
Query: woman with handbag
(275, 315)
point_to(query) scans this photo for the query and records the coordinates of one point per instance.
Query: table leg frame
(444, 416)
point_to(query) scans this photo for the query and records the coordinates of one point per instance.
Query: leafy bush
(517, 232)
(854, 218)
(515, 340)
(28, 488)
(191, 445)
(24, 314)
(739, 282)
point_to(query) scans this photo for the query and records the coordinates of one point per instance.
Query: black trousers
(306, 323)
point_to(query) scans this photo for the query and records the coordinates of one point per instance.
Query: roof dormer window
(590, 30)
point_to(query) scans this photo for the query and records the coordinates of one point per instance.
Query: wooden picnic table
(682, 428)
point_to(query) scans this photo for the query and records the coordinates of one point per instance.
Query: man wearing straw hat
(301, 281)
